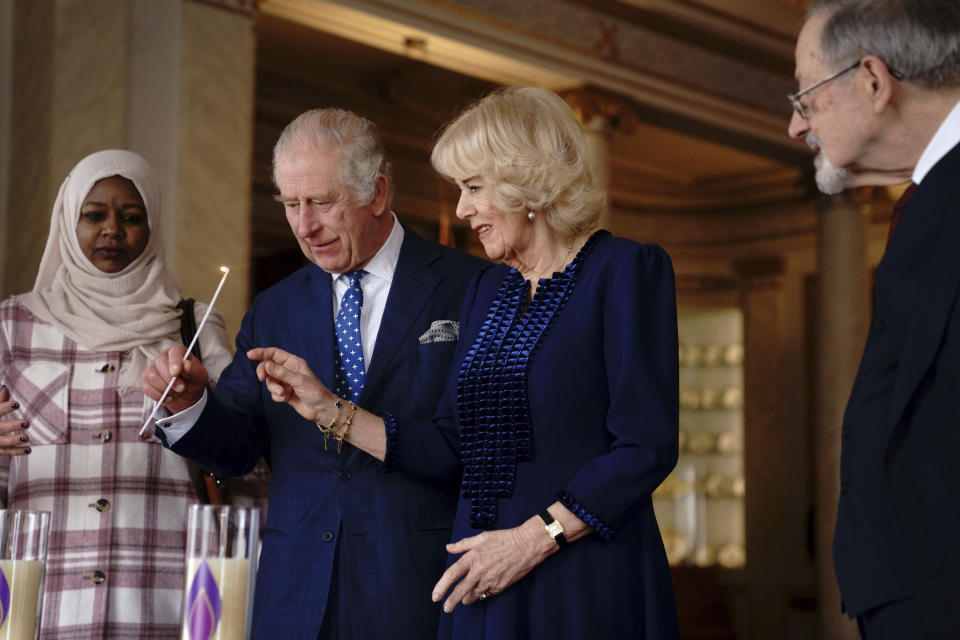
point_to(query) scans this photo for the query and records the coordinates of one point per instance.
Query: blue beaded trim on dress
(588, 518)
(492, 404)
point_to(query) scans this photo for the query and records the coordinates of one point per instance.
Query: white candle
(156, 405)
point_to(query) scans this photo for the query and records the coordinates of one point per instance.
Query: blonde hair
(530, 150)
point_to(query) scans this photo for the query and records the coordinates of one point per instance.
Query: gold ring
(481, 595)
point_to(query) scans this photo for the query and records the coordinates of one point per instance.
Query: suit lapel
(315, 326)
(412, 285)
(938, 286)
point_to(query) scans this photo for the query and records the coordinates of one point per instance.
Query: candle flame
(225, 269)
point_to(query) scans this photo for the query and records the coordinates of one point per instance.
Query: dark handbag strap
(207, 485)
(188, 325)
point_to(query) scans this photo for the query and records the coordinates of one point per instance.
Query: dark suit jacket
(917, 425)
(391, 528)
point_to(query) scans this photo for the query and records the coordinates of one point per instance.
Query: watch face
(554, 529)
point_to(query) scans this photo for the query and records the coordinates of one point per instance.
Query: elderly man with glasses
(879, 102)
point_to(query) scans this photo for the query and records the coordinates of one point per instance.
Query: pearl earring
(531, 215)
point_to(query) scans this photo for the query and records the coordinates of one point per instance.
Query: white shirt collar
(384, 262)
(945, 139)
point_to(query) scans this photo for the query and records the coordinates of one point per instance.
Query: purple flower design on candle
(203, 604)
(4, 597)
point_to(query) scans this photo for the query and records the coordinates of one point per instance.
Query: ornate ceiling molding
(759, 32)
(246, 7)
(598, 109)
(562, 44)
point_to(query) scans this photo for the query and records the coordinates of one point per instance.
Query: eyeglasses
(794, 98)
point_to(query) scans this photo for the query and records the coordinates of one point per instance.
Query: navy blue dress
(571, 396)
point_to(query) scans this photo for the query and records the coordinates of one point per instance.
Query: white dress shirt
(376, 288)
(945, 139)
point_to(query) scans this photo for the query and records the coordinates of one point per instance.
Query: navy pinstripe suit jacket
(391, 528)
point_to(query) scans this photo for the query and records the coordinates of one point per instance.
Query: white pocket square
(441, 331)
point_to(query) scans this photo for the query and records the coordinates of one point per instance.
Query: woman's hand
(290, 380)
(14, 440)
(492, 561)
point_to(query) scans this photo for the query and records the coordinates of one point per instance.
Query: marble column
(597, 133)
(843, 316)
(66, 100)
(170, 80)
(767, 449)
(601, 114)
(214, 153)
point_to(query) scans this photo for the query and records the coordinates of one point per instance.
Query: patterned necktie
(898, 209)
(351, 371)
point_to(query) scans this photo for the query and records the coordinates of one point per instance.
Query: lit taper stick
(156, 405)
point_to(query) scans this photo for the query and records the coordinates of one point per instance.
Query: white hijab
(132, 310)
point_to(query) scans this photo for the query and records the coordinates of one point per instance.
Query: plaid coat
(115, 565)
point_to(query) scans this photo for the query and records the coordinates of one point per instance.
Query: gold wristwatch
(554, 528)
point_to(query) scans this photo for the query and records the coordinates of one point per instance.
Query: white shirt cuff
(176, 426)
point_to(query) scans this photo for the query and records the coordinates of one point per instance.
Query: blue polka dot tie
(351, 371)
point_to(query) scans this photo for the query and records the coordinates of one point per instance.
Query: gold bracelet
(327, 430)
(346, 427)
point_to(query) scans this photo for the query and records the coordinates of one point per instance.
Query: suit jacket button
(98, 577)
(344, 475)
(843, 489)
(879, 326)
(328, 536)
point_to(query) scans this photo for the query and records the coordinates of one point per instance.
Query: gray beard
(830, 179)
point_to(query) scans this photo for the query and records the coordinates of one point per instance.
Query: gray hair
(362, 158)
(918, 38)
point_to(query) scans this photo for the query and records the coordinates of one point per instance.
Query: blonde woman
(565, 396)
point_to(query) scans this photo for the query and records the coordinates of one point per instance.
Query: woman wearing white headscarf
(71, 355)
